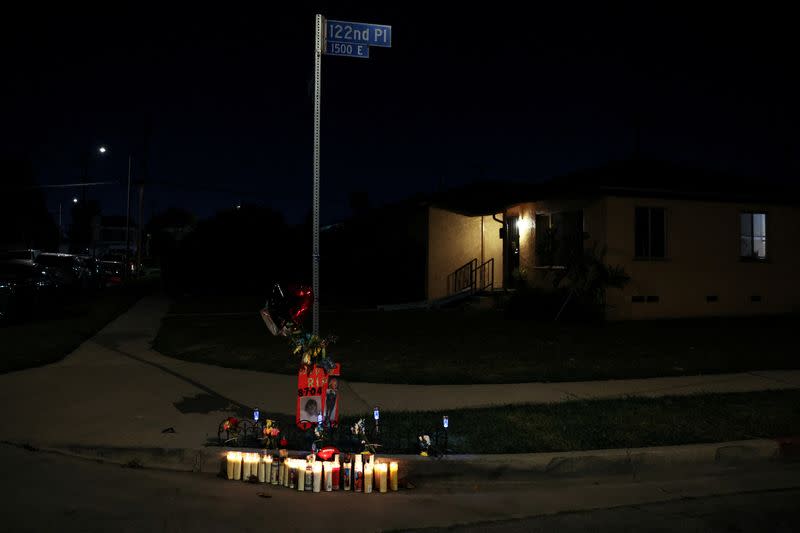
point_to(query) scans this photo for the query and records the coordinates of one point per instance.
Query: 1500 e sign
(346, 49)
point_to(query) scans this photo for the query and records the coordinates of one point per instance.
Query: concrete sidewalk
(114, 390)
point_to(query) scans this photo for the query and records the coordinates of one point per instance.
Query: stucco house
(694, 243)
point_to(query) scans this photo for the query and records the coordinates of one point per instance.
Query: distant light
(445, 421)
(238, 206)
(524, 224)
(256, 414)
(75, 200)
(102, 149)
(377, 414)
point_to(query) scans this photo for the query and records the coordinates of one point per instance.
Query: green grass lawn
(456, 346)
(589, 425)
(39, 342)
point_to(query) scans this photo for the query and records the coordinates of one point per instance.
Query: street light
(102, 149)
(74, 199)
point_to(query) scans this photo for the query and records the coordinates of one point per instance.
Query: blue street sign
(339, 31)
(347, 49)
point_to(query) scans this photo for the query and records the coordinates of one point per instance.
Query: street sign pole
(318, 43)
(337, 38)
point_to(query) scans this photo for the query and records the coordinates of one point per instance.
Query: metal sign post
(315, 216)
(339, 38)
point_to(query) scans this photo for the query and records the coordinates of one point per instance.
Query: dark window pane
(658, 233)
(641, 231)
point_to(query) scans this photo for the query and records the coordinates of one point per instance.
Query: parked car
(113, 273)
(70, 270)
(27, 255)
(95, 272)
(25, 289)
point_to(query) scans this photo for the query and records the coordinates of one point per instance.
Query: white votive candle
(237, 466)
(267, 468)
(317, 471)
(230, 463)
(382, 470)
(327, 468)
(368, 473)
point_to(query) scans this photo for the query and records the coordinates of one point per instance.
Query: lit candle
(347, 475)
(276, 469)
(377, 481)
(231, 463)
(336, 469)
(308, 470)
(327, 467)
(358, 475)
(382, 469)
(317, 471)
(292, 468)
(262, 471)
(368, 478)
(251, 466)
(393, 473)
(301, 475)
(237, 466)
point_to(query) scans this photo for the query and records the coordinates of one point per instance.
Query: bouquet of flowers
(230, 427)
(312, 349)
(270, 433)
(230, 424)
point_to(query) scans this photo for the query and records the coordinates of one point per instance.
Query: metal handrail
(471, 277)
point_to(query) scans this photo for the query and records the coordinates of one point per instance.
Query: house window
(753, 235)
(650, 228)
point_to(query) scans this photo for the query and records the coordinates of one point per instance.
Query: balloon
(286, 311)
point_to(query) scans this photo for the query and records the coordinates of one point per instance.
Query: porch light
(524, 224)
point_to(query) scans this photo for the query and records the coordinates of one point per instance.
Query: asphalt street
(50, 492)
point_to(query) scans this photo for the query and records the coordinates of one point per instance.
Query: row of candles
(315, 476)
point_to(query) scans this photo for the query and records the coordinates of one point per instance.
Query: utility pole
(141, 229)
(128, 216)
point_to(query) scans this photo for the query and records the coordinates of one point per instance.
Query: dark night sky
(492, 93)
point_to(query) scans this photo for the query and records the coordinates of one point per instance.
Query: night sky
(489, 93)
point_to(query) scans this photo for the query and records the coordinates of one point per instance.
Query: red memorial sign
(317, 392)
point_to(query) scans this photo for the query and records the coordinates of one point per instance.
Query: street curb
(465, 467)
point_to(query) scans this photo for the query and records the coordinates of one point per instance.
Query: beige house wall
(703, 242)
(454, 240)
